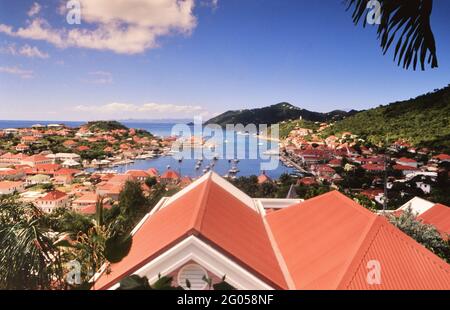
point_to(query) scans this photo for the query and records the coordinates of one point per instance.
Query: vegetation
(28, 256)
(287, 127)
(410, 18)
(423, 121)
(105, 126)
(273, 114)
(427, 235)
(280, 189)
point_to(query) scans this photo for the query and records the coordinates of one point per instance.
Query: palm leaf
(408, 22)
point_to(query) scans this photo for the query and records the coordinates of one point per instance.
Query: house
(325, 243)
(139, 175)
(11, 187)
(35, 160)
(438, 216)
(417, 205)
(404, 161)
(405, 169)
(170, 177)
(153, 172)
(441, 158)
(307, 181)
(38, 179)
(22, 147)
(11, 174)
(87, 199)
(373, 167)
(51, 201)
(264, 178)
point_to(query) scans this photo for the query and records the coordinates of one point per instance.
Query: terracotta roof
(442, 157)
(9, 184)
(153, 172)
(439, 217)
(327, 242)
(53, 195)
(401, 167)
(137, 173)
(263, 178)
(373, 167)
(170, 174)
(212, 214)
(67, 171)
(406, 160)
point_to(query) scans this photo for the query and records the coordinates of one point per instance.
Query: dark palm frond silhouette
(409, 22)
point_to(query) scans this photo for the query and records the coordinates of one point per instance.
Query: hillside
(105, 126)
(423, 121)
(274, 114)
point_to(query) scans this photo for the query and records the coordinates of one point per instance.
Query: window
(195, 274)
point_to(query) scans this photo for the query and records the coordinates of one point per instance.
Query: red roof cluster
(327, 242)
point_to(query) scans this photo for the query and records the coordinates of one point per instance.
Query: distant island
(275, 114)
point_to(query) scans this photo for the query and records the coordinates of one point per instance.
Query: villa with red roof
(441, 158)
(328, 242)
(51, 201)
(404, 161)
(170, 177)
(264, 178)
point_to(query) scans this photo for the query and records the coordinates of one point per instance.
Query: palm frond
(408, 22)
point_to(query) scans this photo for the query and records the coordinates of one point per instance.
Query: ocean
(186, 167)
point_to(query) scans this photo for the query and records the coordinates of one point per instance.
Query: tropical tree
(407, 22)
(29, 258)
(427, 235)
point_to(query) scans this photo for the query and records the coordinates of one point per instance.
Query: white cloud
(147, 110)
(34, 10)
(125, 27)
(24, 74)
(100, 77)
(26, 50)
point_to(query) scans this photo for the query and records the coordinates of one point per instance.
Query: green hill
(423, 121)
(274, 114)
(105, 126)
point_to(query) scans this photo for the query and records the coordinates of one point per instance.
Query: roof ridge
(276, 250)
(199, 213)
(368, 232)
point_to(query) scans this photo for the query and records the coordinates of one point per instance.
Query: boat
(233, 170)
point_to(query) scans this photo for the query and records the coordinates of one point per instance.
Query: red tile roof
(263, 178)
(153, 172)
(328, 240)
(324, 243)
(138, 173)
(373, 167)
(218, 218)
(170, 174)
(442, 157)
(439, 217)
(401, 167)
(406, 160)
(52, 196)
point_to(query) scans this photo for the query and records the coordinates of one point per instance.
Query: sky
(155, 59)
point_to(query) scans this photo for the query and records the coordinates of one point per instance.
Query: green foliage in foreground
(426, 235)
(423, 121)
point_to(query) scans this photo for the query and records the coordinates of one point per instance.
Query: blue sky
(206, 57)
